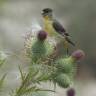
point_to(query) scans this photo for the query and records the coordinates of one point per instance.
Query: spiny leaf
(34, 89)
(22, 75)
(26, 82)
(29, 90)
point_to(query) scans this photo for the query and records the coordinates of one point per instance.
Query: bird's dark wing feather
(59, 28)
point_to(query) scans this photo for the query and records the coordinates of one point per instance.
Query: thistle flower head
(71, 92)
(36, 49)
(42, 35)
(78, 55)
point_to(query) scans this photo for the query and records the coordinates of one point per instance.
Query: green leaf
(22, 75)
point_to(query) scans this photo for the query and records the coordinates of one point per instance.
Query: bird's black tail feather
(69, 41)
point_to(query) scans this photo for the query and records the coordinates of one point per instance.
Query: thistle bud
(64, 65)
(42, 35)
(78, 55)
(63, 80)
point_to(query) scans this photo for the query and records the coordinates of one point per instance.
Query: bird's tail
(69, 41)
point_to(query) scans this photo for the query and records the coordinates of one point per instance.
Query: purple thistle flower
(70, 92)
(42, 35)
(78, 54)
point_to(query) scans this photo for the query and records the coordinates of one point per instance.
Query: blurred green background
(79, 19)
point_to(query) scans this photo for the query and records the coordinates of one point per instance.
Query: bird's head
(47, 13)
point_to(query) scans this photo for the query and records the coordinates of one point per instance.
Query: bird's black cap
(46, 10)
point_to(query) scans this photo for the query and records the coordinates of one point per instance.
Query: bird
(54, 28)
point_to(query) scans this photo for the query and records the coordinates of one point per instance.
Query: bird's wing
(59, 28)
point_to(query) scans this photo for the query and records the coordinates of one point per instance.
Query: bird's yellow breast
(49, 27)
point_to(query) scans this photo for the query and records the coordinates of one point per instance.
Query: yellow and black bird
(53, 27)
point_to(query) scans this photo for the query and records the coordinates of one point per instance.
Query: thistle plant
(48, 62)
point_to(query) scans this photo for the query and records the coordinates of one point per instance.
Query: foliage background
(79, 19)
